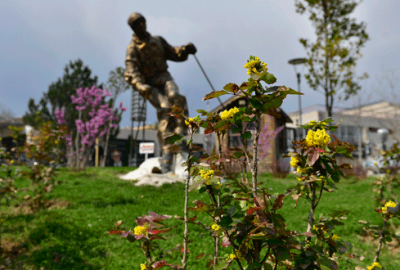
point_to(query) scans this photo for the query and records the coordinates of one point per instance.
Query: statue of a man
(146, 71)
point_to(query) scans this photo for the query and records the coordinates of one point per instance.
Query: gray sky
(38, 38)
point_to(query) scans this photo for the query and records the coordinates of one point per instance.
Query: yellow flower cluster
(194, 119)
(317, 138)
(294, 161)
(388, 204)
(206, 174)
(143, 266)
(140, 230)
(301, 170)
(319, 229)
(215, 227)
(249, 245)
(374, 265)
(229, 114)
(335, 237)
(255, 66)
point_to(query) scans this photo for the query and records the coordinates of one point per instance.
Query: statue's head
(138, 23)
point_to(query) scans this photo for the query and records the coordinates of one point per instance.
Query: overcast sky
(38, 38)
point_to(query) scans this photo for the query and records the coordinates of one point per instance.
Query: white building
(358, 126)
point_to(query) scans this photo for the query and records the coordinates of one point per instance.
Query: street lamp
(295, 62)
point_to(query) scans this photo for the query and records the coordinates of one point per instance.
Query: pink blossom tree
(96, 118)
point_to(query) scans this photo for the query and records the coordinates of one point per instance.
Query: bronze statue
(146, 71)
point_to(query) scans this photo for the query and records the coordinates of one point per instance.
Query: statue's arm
(133, 74)
(177, 54)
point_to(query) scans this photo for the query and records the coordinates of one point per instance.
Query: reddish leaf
(201, 255)
(231, 87)
(155, 231)
(208, 130)
(214, 94)
(226, 242)
(278, 202)
(312, 157)
(115, 232)
(251, 210)
(182, 250)
(309, 234)
(159, 264)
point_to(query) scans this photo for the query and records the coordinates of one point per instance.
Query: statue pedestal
(145, 176)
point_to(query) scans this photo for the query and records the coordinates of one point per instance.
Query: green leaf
(203, 189)
(290, 91)
(222, 125)
(328, 263)
(281, 253)
(214, 94)
(226, 221)
(176, 138)
(246, 135)
(255, 104)
(202, 111)
(231, 87)
(268, 78)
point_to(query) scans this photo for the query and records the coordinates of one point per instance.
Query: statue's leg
(164, 129)
(177, 100)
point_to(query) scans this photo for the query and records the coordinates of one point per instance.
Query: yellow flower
(315, 228)
(294, 161)
(229, 114)
(12, 161)
(317, 138)
(249, 244)
(56, 142)
(335, 237)
(312, 123)
(301, 170)
(232, 256)
(187, 122)
(143, 266)
(375, 264)
(217, 185)
(255, 66)
(206, 175)
(298, 178)
(141, 230)
(388, 204)
(215, 227)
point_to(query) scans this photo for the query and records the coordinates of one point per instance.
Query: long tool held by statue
(212, 87)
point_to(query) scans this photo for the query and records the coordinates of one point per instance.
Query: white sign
(146, 148)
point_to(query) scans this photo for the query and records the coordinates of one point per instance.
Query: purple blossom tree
(95, 119)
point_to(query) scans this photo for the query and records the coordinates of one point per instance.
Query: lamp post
(295, 62)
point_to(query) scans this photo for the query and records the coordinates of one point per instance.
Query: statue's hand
(144, 89)
(190, 48)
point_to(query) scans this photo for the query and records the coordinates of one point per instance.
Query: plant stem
(254, 168)
(380, 241)
(311, 217)
(186, 232)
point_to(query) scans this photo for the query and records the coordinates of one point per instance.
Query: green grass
(73, 236)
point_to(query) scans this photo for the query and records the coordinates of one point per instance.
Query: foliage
(332, 57)
(244, 216)
(76, 75)
(7, 186)
(72, 234)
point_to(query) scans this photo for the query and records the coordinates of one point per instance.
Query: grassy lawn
(71, 234)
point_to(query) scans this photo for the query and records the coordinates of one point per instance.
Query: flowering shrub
(245, 218)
